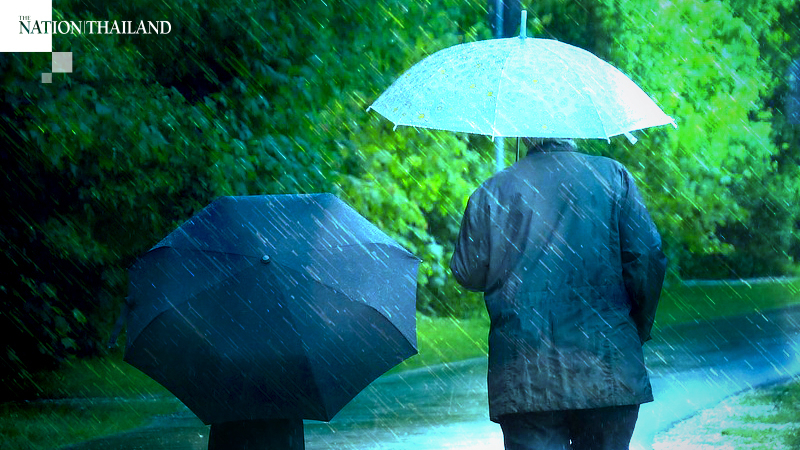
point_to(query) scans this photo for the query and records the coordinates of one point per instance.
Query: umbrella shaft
(498, 154)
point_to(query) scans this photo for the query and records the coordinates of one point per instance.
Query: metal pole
(498, 33)
(793, 97)
(499, 8)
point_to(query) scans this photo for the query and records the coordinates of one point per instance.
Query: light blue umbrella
(519, 87)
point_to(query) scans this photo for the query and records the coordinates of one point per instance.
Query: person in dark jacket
(571, 268)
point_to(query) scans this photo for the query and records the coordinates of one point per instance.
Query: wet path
(693, 366)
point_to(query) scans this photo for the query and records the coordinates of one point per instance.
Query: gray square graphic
(47, 77)
(62, 62)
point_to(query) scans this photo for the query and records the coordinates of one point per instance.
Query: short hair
(544, 144)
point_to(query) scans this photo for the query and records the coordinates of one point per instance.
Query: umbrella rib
(364, 244)
(170, 305)
(318, 281)
(387, 247)
(247, 255)
(422, 88)
(327, 286)
(591, 99)
(313, 368)
(203, 250)
(499, 93)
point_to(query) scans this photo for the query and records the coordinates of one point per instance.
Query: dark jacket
(571, 267)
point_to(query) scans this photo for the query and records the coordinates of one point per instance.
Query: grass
(137, 399)
(52, 424)
(445, 339)
(782, 419)
(699, 302)
(762, 419)
(82, 400)
(97, 377)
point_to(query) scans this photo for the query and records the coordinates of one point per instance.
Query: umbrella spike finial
(522, 30)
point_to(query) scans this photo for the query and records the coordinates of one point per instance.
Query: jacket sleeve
(643, 262)
(470, 261)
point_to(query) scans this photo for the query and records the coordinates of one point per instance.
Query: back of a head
(539, 145)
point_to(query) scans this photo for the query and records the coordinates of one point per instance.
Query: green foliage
(767, 242)
(701, 176)
(722, 188)
(416, 185)
(577, 23)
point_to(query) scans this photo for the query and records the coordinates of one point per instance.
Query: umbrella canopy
(519, 87)
(265, 307)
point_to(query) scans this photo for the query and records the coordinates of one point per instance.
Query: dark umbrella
(271, 307)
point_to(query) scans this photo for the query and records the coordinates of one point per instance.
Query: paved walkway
(693, 367)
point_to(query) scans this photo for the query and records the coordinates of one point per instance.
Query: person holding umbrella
(560, 243)
(571, 267)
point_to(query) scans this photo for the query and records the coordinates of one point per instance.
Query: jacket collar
(552, 146)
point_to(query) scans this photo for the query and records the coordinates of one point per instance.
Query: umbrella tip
(522, 28)
(265, 259)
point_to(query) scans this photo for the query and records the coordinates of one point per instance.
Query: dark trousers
(580, 429)
(269, 434)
